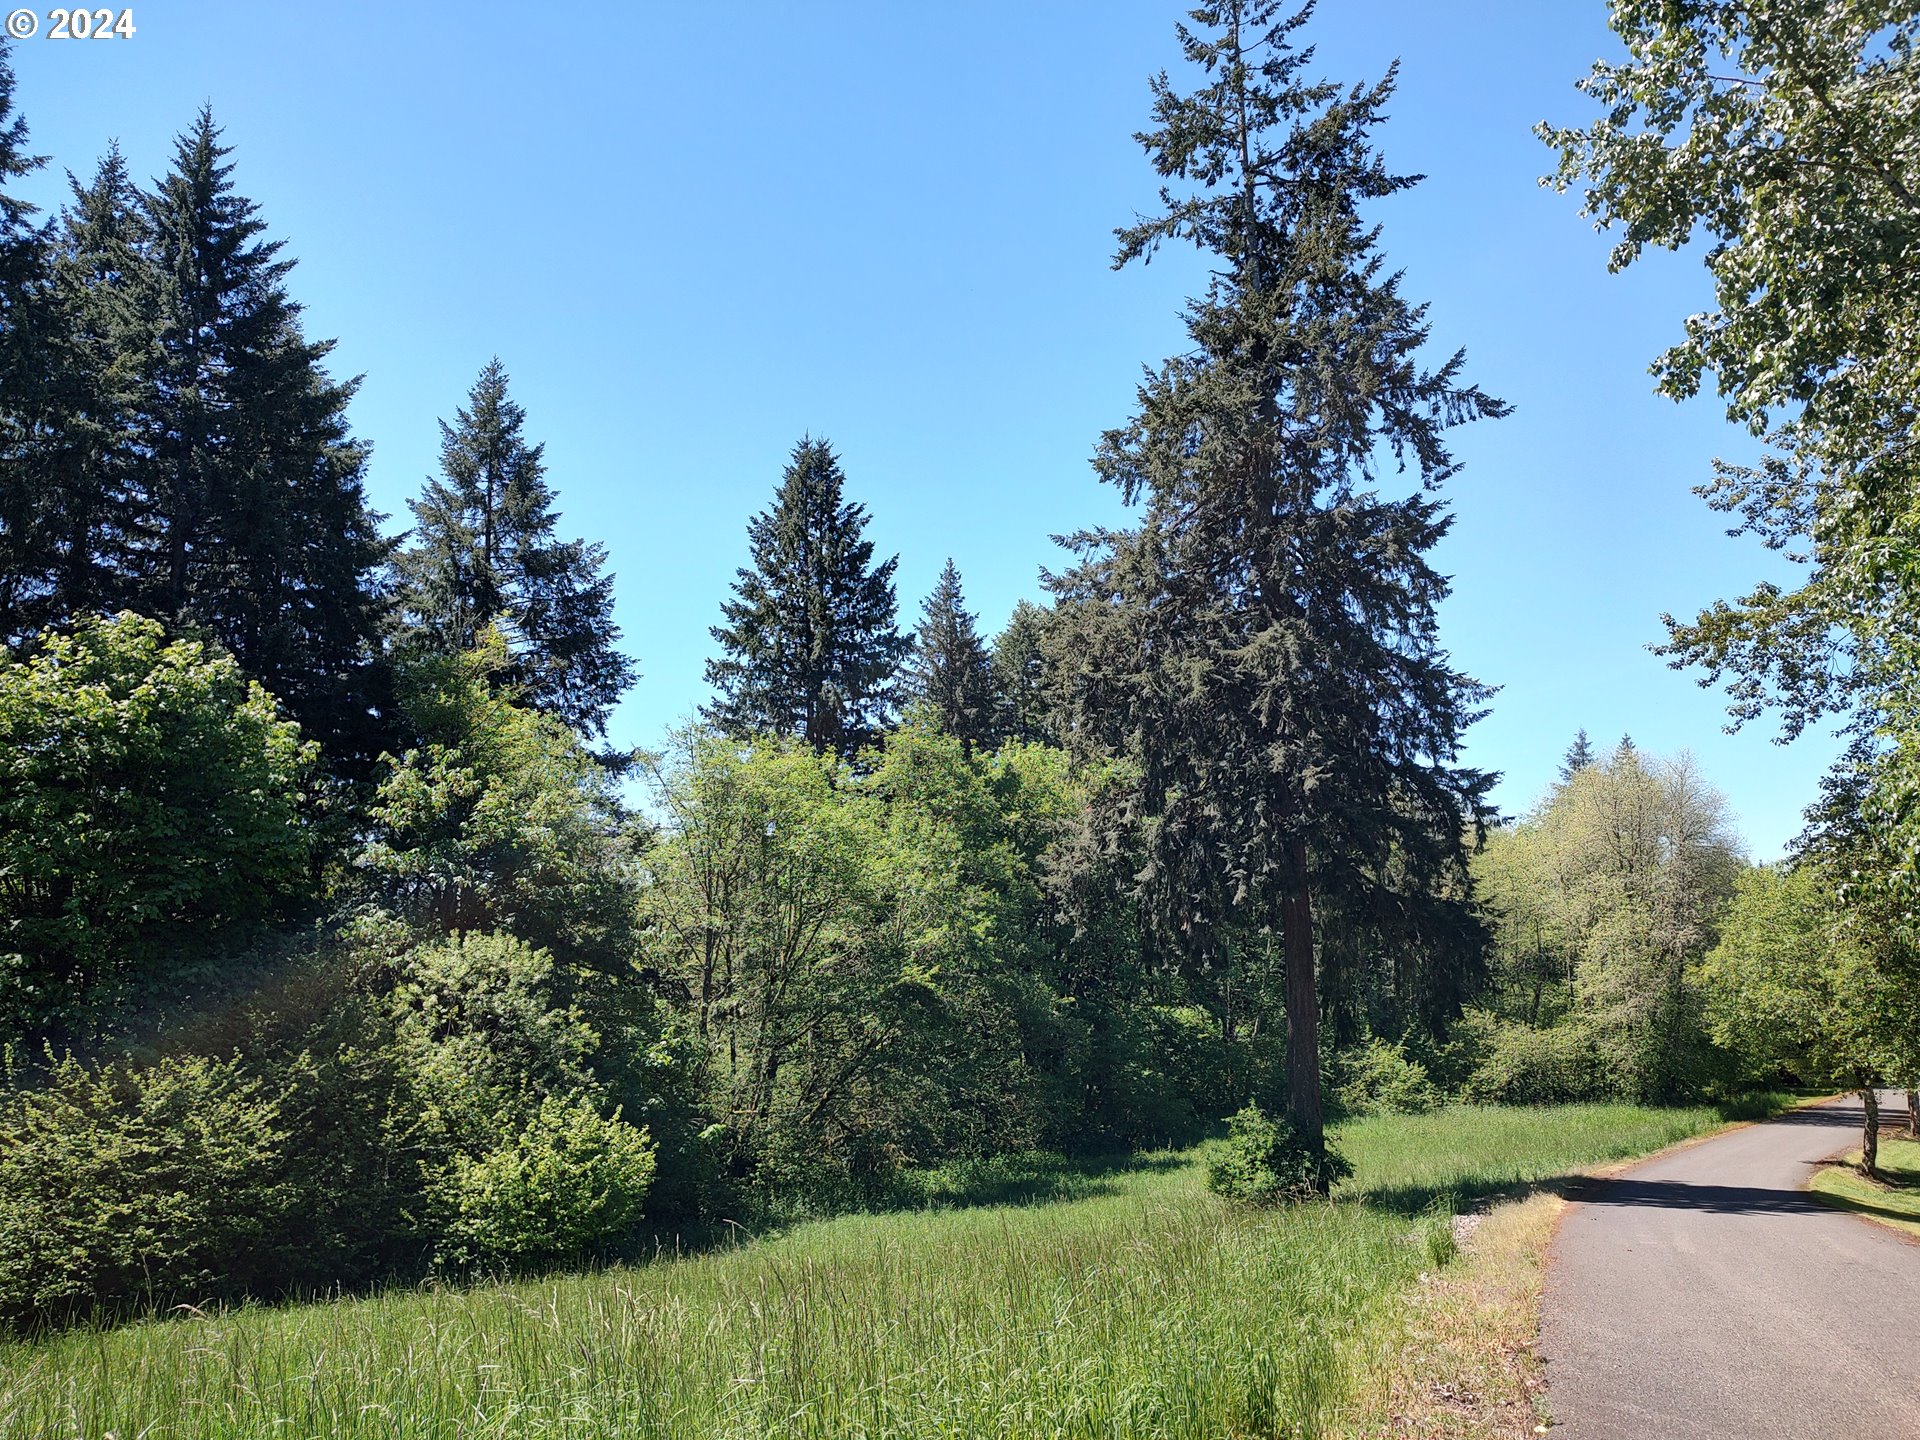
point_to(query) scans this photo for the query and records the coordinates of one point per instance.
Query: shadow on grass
(1497, 1185)
(1907, 1220)
(1032, 1179)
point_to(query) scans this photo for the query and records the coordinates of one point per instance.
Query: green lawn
(1139, 1307)
(1896, 1203)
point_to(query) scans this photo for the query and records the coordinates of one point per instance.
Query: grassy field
(1136, 1306)
(1896, 1203)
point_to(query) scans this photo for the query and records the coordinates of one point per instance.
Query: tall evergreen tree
(1263, 643)
(28, 332)
(1019, 666)
(950, 670)
(484, 553)
(809, 645)
(1579, 755)
(260, 533)
(108, 291)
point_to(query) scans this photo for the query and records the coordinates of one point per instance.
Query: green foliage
(1605, 900)
(1528, 1066)
(499, 820)
(486, 1032)
(1023, 709)
(809, 645)
(345, 1119)
(253, 472)
(1274, 786)
(1379, 1077)
(161, 1184)
(950, 670)
(150, 799)
(567, 1184)
(1782, 135)
(1265, 1161)
(1793, 989)
(484, 554)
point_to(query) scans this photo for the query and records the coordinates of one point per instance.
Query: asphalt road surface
(1703, 1295)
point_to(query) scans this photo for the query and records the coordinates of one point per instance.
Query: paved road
(1703, 1296)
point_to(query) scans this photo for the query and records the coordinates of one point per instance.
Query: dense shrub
(568, 1183)
(1379, 1077)
(483, 1025)
(1528, 1066)
(498, 820)
(1264, 1161)
(150, 798)
(163, 1184)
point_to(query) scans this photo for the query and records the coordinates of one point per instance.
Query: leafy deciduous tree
(150, 798)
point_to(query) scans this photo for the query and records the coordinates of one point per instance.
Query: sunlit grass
(1461, 1154)
(1895, 1203)
(1141, 1307)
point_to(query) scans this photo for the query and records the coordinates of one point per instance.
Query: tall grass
(1141, 1307)
(1409, 1163)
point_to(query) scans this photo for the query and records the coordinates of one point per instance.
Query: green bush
(499, 820)
(570, 1182)
(483, 1016)
(161, 1184)
(1380, 1078)
(1264, 1161)
(150, 798)
(1526, 1066)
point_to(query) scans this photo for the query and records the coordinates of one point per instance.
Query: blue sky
(694, 234)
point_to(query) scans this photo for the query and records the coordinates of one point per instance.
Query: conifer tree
(1263, 642)
(484, 553)
(1018, 669)
(809, 647)
(27, 334)
(950, 671)
(259, 532)
(1579, 755)
(108, 292)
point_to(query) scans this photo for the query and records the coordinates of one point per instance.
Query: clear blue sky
(694, 233)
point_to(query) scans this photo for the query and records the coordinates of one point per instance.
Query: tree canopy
(809, 647)
(484, 554)
(950, 670)
(1264, 642)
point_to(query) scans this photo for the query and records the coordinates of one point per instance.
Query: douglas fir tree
(1263, 643)
(257, 530)
(484, 554)
(809, 646)
(950, 670)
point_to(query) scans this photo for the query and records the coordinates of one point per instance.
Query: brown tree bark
(1870, 1133)
(1303, 1006)
(1913, 1114)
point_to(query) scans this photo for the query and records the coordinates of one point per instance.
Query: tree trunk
(1913, 1114)
(1870, 1133)
(1303, 1007)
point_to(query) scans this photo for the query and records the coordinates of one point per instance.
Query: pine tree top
(808, 640)
(950, 670)
(1579, 755)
